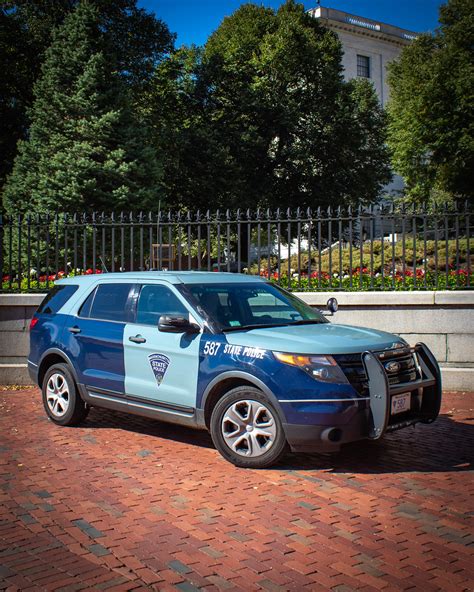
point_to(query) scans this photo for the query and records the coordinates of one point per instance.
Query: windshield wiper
(308, 322)
(270, 325)
(250, 327)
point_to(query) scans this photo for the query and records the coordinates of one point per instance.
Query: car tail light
(33, 322)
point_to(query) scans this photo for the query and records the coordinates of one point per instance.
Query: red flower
(89, 271)
(60, 274)
(42, 278)
(98, 271)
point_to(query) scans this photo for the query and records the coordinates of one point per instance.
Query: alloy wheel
(249, 428)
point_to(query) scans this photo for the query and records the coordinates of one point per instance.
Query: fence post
(1, 249)
(468, 247)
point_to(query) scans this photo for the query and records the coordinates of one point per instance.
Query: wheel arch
(51, 357)
(227, 381)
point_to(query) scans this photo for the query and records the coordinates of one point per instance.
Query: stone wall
(443, 320)
(16, 311)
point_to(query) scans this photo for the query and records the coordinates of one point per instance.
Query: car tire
(246, 429)
(61, 400)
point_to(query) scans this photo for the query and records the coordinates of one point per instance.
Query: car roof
(174, 277)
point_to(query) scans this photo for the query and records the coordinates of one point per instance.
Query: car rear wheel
(61, 400)
(246, 429)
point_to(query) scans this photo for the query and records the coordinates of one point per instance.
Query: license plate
(401, 403)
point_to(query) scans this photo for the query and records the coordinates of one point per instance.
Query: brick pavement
(124, 503)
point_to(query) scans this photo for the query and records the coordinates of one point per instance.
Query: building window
(363, 66)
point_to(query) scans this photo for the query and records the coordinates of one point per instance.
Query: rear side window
(56, 298)
(110, 302)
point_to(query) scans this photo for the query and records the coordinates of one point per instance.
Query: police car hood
(324, 338)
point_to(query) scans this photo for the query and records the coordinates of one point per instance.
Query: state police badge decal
(159, 364)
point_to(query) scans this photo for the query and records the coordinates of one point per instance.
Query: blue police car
(234, 354)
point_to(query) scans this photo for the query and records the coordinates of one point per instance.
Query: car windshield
(237, 306)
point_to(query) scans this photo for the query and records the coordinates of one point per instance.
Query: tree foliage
(136, 38)
(266, 119)
(85, 148)
(432, 105)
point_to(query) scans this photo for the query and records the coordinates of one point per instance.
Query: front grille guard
(381, 391)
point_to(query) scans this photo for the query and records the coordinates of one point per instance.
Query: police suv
(234, 354)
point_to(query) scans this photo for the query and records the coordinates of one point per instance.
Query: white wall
(380, 53)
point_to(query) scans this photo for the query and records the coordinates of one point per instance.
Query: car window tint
(85, 309)
(110, 302)
(156, 300)
(56, 298)
(238, 305)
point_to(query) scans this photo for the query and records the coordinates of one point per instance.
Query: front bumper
(327, 438)
(374, 420)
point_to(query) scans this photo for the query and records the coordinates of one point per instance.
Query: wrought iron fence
(364, 249)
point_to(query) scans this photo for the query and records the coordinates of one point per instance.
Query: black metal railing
(365, 249)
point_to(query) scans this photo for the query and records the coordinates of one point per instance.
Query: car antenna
(104, 267)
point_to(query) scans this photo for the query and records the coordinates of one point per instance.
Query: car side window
(56, 298)
(156, 300)
(85, 309)
(110, 302)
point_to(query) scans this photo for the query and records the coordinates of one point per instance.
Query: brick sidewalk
(125, 503)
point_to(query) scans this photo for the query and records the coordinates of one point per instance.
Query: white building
(368, 45)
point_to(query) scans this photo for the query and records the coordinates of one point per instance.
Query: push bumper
(424, 393)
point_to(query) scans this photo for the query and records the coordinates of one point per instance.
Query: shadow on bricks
(443, 446)
(106, 418)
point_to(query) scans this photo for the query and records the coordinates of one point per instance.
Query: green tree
(273, 120)
(137, 39)
(85, 149)
(431, 108)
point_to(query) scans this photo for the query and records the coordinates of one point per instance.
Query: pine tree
(139, 40)
(85, 149)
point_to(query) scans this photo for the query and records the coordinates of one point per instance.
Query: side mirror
(332, 305)
(176, 324)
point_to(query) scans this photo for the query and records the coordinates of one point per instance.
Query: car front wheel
(246, 429)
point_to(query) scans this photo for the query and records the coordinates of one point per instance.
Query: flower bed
(40, 283)
(357, 280)
(363, 280)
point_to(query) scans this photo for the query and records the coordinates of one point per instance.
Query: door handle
(74, 330)
(137, 339)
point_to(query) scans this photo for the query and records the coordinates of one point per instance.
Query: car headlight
(323, 368)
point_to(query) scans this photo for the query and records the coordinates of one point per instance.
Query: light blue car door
(160, 367)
